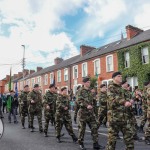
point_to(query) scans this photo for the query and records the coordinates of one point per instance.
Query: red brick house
(102, 61)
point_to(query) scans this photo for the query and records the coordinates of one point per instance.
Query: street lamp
(23, 62)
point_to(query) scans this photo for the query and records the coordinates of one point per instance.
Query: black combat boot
(75, 139)
(141, 129)
(58, 139)
(136, 138)
(41, 130)
(147, 141)
(97, 146)
(45, 134)
(82, 146)
(32, 129)
(61, 135)
(23, 127)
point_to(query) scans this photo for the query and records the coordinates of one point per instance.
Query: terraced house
(102, 62)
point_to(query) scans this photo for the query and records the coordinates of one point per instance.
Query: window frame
(65, 74)
(107, 63)
(46, 79)
(76, 66)
(98, 59)
(85, 63)
(126, 60)
(142, 51)
(51, 79)
(58, 76)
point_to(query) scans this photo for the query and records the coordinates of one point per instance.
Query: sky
(56, 28)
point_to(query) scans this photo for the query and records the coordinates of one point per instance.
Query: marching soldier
(35, 107)
(147, 132)
(23, 104)
(63, 116)
(116, 114)
(76, 108)
(87, 116)
(144, 107)
(49, 107)
(129, 110)
(102, 110)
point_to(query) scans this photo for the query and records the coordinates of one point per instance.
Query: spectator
(4, 102)
(1, 115)
(11, 106)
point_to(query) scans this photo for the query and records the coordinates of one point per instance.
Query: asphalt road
(16, 138)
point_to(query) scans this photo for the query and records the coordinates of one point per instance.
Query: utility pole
(23, 62)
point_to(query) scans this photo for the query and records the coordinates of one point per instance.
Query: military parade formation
(112, 107)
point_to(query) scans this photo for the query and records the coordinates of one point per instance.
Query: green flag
(10, 81)
(9, 98)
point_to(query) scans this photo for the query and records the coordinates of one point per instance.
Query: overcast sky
(57, 28)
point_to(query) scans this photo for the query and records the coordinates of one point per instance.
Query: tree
(93, 82)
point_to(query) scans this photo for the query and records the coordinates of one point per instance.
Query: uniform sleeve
(59, 104)
(115, 99)
(29, 97)
(81, 99)
(45, 100)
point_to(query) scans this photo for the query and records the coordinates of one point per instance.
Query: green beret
(51, 85)
(36, 85)
(26, 86)
(85, 79)
(116, 74)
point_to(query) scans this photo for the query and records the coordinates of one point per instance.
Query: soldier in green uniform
(76, 107)
(35, 107)
(87, 116)
(147, 132)
(49, 101)
(129, 110)
(102, 110)
(63, 116)
(117, 119)
(23, 104)
(144, 107)
(94, 94)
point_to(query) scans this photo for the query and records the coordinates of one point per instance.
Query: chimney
(7, 78)
(15, 76)
(31, 71)
(39, 68)
(85, 49)
(20, 74)
(58, 60)
(26, 72)
(132, 31)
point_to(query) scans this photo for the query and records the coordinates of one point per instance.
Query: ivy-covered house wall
(137, 68)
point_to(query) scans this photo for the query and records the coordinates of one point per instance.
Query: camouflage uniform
(63, 116)
(147, 132)
(76, 107)
(102, 110)
(86, 116)
(132, 123)
(144, 109)
(35, 109)
(23, 105)
(117, 118)
(48, 99)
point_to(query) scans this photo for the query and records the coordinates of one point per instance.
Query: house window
(127, 59)
(21, 85)
(66, 74)
(133, 81)
(107, 82)
(59, 76)
(109, 63)
(145, 55)
(46, 79)
(84, 69)
(33, 82)
(39, 80)
(75, 72)
(28, 82)
(51, 78)
(96, 66)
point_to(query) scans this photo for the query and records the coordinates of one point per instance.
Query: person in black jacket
(12, 106)
(1, 115)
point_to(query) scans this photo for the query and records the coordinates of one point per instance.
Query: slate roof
(108, 48)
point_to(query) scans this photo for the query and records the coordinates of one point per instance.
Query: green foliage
(93, 81)
(137, 68)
